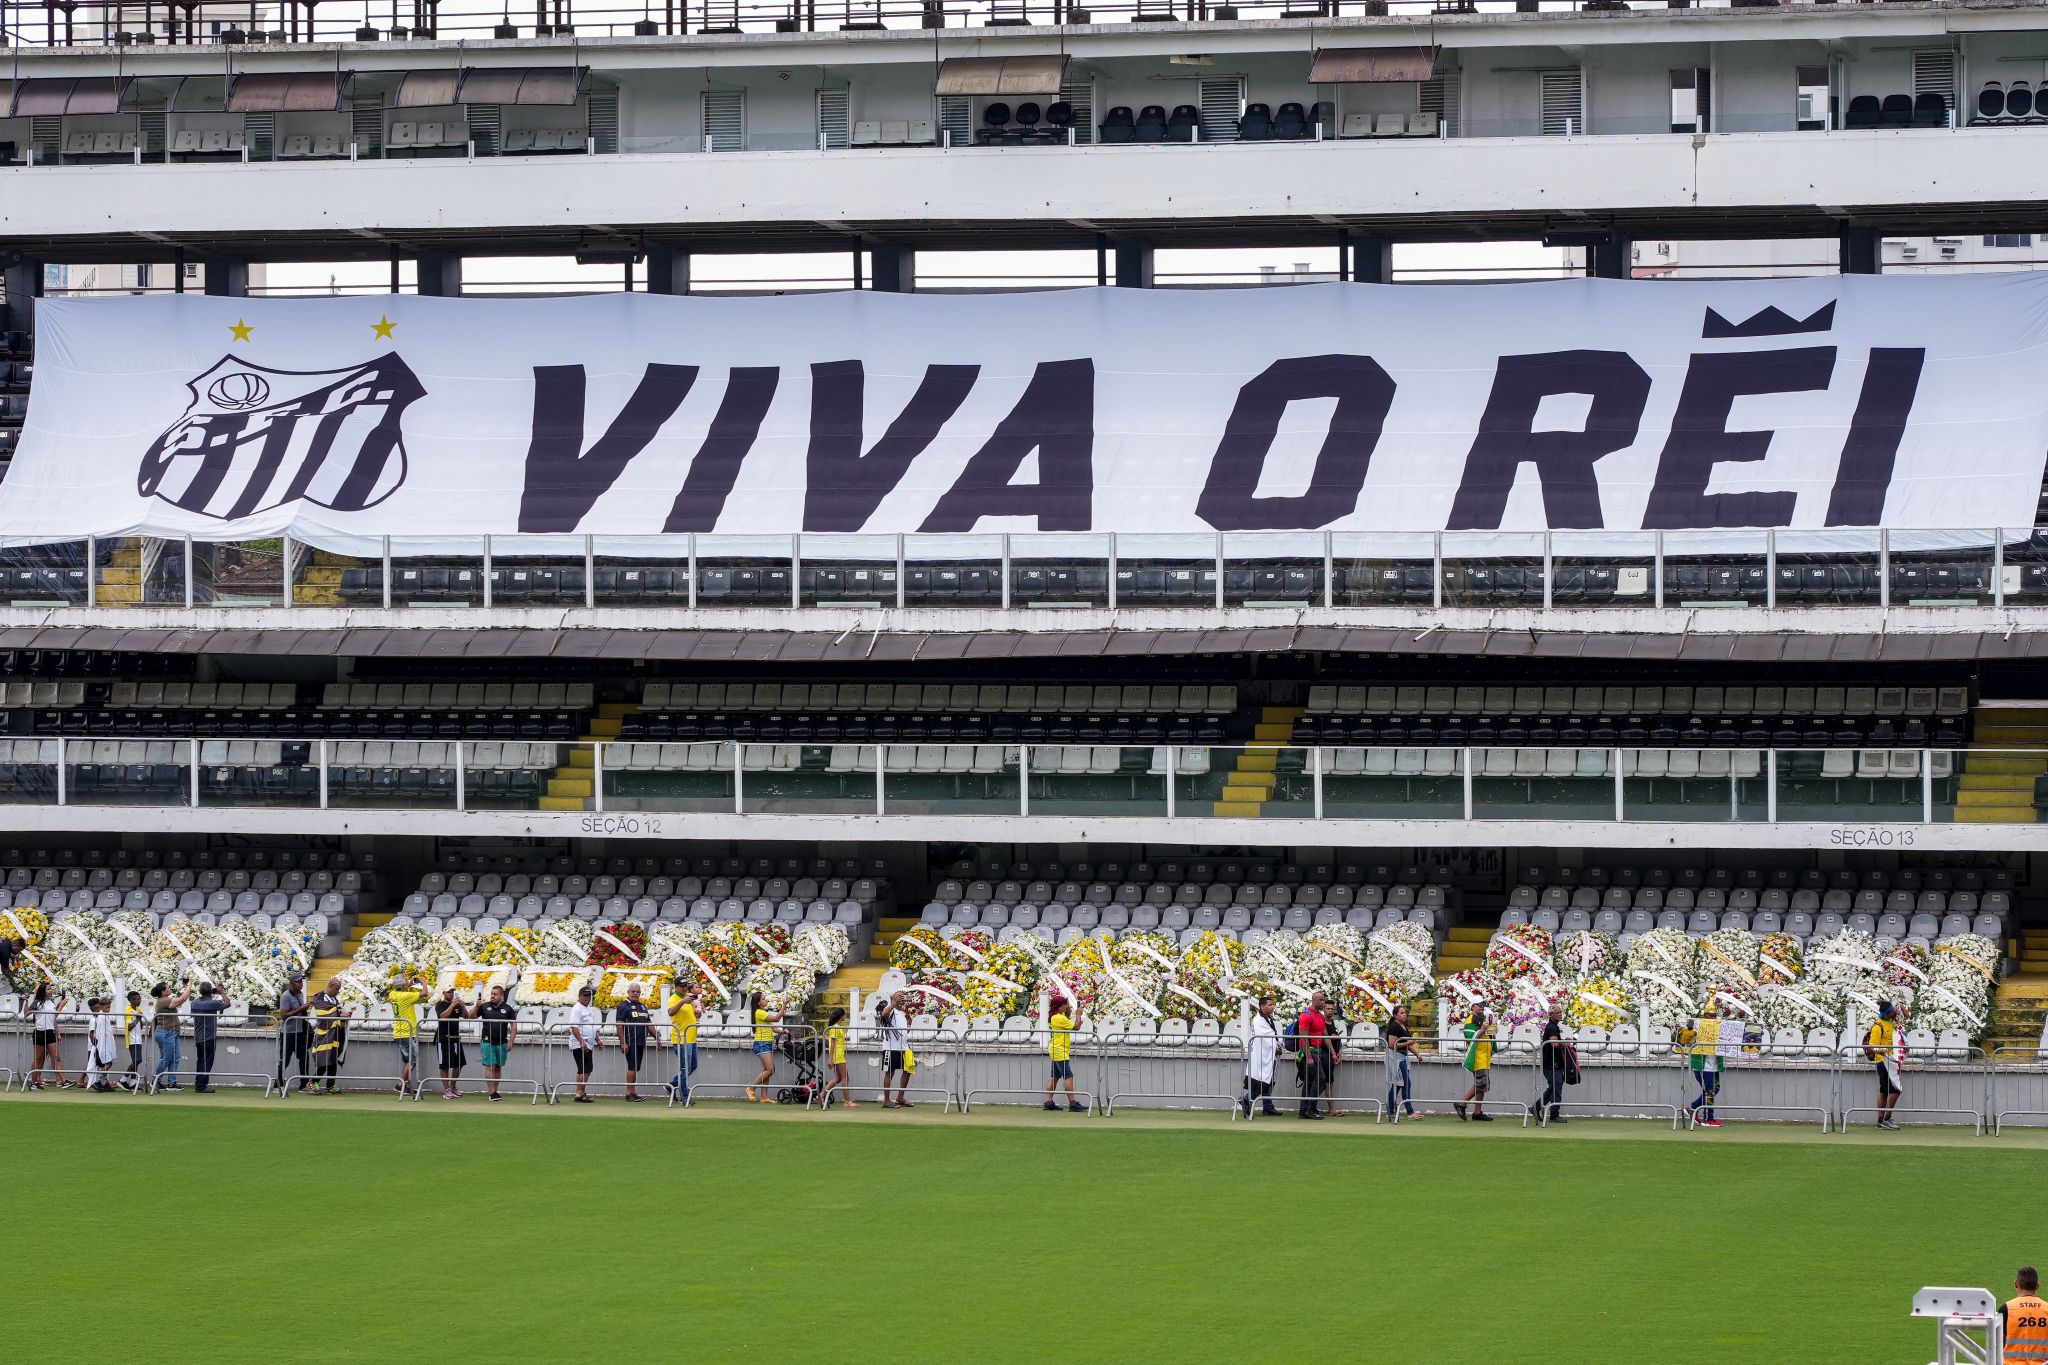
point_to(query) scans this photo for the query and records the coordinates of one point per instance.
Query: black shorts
(449, 1056)
(585, 1059)
(1063, 1071)
(636, 1053)
(1885, 1084)
(892, 1061)
(44, 1037)
(135, 1054)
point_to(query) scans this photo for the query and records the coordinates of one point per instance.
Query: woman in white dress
(1261, 1052)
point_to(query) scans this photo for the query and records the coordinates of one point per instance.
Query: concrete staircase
(324, 968)
(318, 584)
(120, 578)
(1998, 788)
(1248, 782)
(575, 783)
(1464, 946)
(864, 976)
(2021, 1005)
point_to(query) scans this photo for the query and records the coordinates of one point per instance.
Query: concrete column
(439, 274)
(1133, 265)
(1610, 257)
(226, 277)
(895, 268)
(23, 281)
(668, 270)
(1371, 257)
(1862, 251)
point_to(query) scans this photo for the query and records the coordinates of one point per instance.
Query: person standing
(1261, 1055)
(501, 1031)
(404, 999)
(682, 1032)
(100, 1044)
(1478, 1062)
(835, 1054)
(1060, 1047)
(43, 1011)
(206, 1012)
(631, 1018)
(765, 1021)
(329, 1032)
(292, 1032)
(1882, 1046)
(1400, 1063)
(1705, 1061)
(449, 1058)
(1555, 1063)
(584, 1023)
(166, 1033)
(1333, 1038)
(1310, 1041)
(895, 1052)
(2026, 1320)
(131, 1033)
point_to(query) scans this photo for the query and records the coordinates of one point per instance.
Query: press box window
(1813, 99)
(1690, 95)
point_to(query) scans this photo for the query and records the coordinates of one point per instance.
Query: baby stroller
(803, 1051)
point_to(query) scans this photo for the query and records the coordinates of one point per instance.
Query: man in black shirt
(501, 1030)
(294, 1034)
(206, 1013)
(631, 1016)
(1555, 1063)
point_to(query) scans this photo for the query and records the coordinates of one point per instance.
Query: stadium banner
(1913, 403)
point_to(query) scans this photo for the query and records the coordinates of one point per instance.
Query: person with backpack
(1557, 1065)
(1881, 1047)
(1479, 1062)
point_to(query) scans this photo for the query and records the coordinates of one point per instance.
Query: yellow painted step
(612, 710)
(578, 787)
(603, 729)
(2001, 735)
(1997, 815)
(1998, 782)
(2011, 765)
(1264, 781)
(561, 803)
(1273, 732)
(1257, 761)
(1233, 794)
(1235, 810)
(582, 758)
(1282, 713)
(320, 577)
(315, 597)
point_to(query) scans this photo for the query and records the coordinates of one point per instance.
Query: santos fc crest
(255, 438)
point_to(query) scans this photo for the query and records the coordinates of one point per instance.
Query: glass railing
(1281, 570)
(1099, 780)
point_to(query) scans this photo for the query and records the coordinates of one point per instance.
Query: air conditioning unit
(1909, 250)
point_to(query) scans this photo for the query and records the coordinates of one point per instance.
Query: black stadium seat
(1930, 110)
(1151, 126)
(1184, 125)
(1897, 111)
(1117, 125)
(1991, 101)
(2019, 100)
(995, 121)
(1256, 125)
(1291, 122)
(1864, 112)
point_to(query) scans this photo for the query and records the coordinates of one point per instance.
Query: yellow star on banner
(241, 330)
(382, 326)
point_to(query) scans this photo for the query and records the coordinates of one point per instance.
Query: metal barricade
(660, 1058)
(1353, 1069)
(358, 1034)
(427, 1071)
(2019, 1087)
(1137, 1065)
(1440, 1081)
(1018, 1062)
(1958, 1086)
(1753, 1085)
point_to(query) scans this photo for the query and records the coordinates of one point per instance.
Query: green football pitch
(230, 1229)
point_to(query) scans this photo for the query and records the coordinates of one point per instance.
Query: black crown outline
(1770, 321)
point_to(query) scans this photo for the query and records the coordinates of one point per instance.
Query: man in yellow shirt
(1060, 1047)
(405, 1027)
(682, 1031)
(1881, 1045)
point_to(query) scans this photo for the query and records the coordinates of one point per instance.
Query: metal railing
(639, 781)
(1546, 570)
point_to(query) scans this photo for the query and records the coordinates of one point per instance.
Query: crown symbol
(1768, 322)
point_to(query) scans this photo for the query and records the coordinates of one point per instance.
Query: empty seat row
(1030, 126)
(262, 880)
(103, 143)
(329, 905)
(538, 862)
(439, 912)
(1798, 923)
(301, 146)
(1076, 698)
(1759, 878)
(1447, 700)
(1714, 900)
(462, 696)
(862, 889)
(894, 133)
(1927, 109)
(2014, 102)
(1236, 918)
(407, 134)
(1189, 896)
(307, 723)
(208, 142)
(247, 696)
(1390, 125)
(546, 140)
(1230, 872)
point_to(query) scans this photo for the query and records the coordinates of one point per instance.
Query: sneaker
(633, 1099)
(1051, 1108)
(494, 1097)
(1461, 1112)
(1710, 1123)
(1269, 1112)
(583, 1099)
(1077, 1109)
(1559, 1118)
(1482, 1118)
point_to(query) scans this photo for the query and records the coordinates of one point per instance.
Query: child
(100, 1047)
(835, 1041)
(1060, 1047)
(131, 1030)
(1478, 1061)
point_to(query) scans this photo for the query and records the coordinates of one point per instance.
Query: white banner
(1908, 402)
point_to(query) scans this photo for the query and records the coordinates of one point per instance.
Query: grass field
(177, 1229)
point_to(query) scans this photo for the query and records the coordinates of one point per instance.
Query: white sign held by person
(1854, 402)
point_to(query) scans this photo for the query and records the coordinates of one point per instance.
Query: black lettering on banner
(1564, 460)
(844, 487)
(749, 389)
(1871, 450)
(563, 481)
(1056, 417)
(1700, 438)
(1363, 391)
